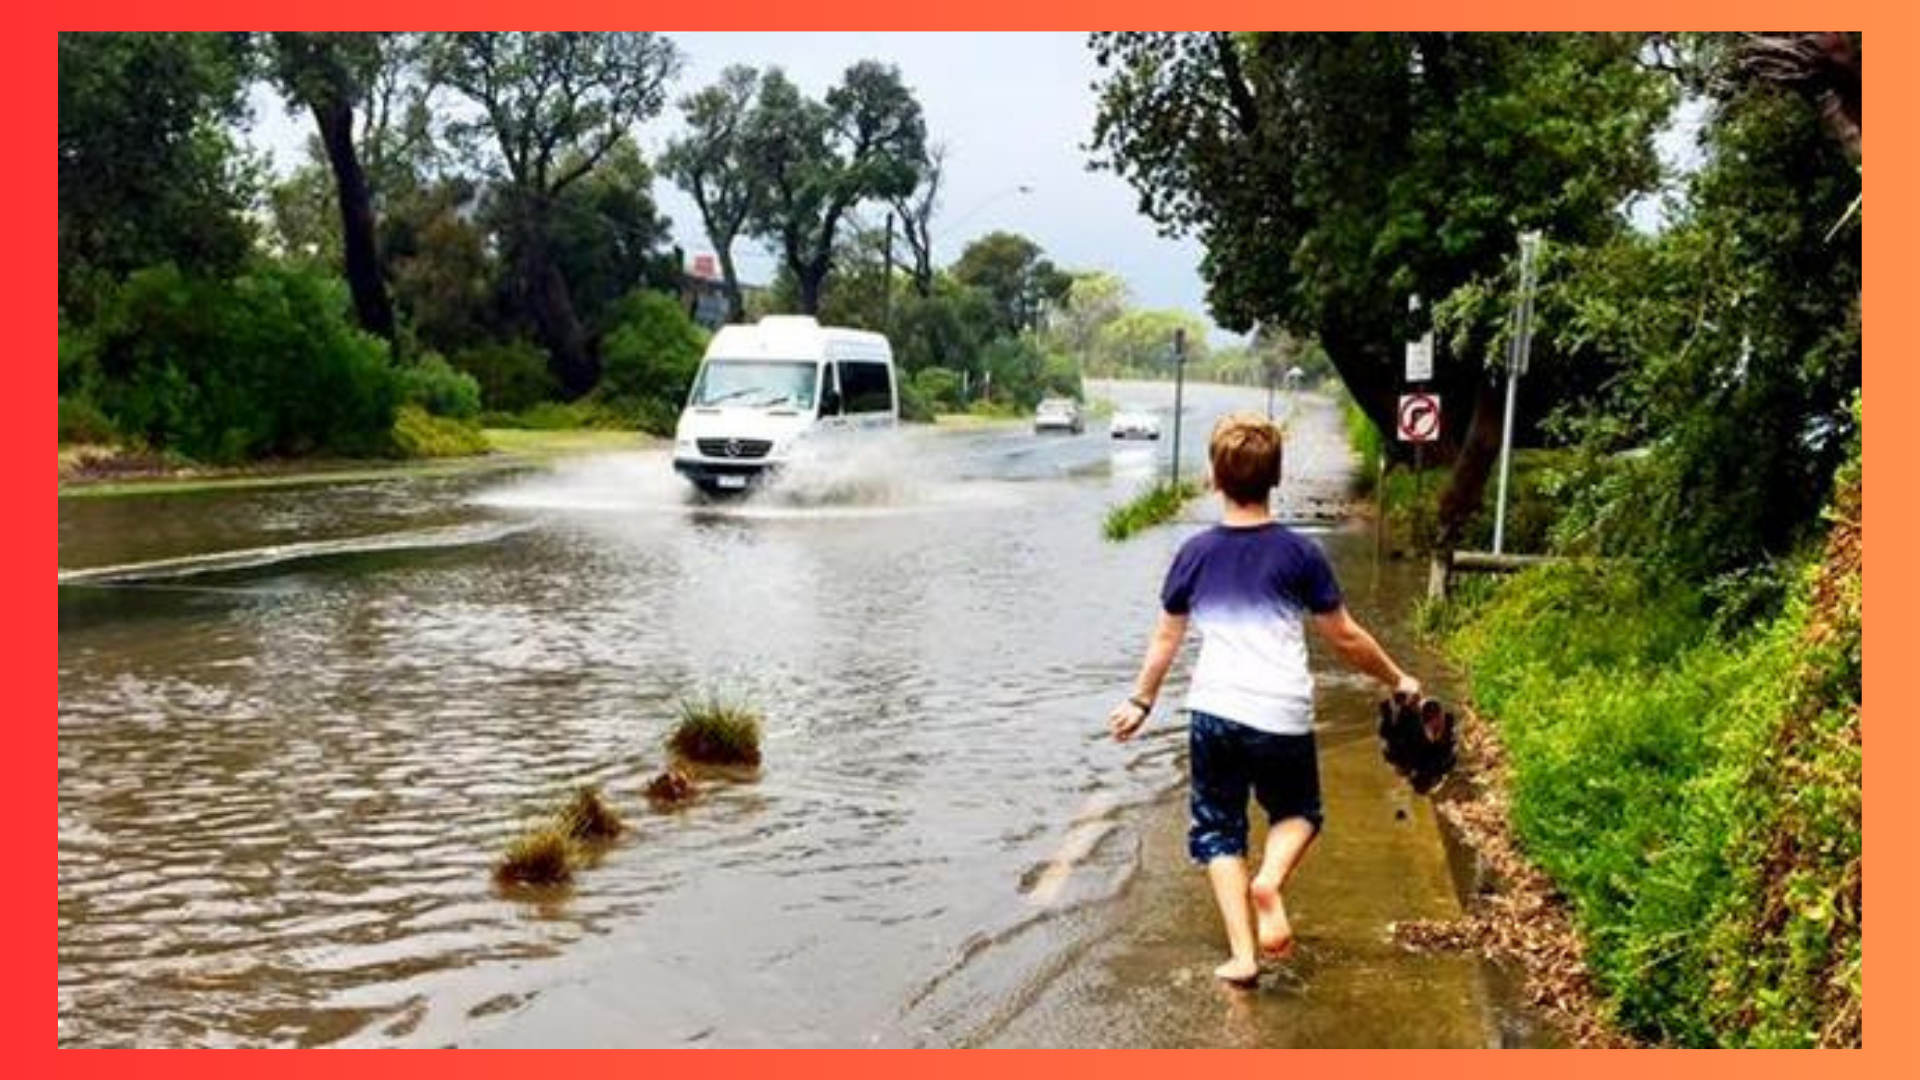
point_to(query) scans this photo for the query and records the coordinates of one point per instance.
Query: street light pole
(1517, 353)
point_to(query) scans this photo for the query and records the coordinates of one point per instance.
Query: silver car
(1135, 422)
(1059, 414)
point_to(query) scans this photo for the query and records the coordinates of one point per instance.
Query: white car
(1134, 422)
(1058, 414)
(765, 388)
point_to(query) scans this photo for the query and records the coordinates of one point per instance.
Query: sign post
(1418, 421)
(1179, 386)
(1518, 350)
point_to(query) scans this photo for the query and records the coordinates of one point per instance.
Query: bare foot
(1272, 930)
(1241, 973)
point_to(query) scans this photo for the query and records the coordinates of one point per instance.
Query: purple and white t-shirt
(1248, 589)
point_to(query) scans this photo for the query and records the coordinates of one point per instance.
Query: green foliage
(446, 276)
(1731, 348)
(149, 169)
(815, 160)
(1140, 343)
(512, 375)
(937, 387)
(1695, 793)
(1011, 272)
(652, 350)
(1151, 507)
(82, 422)
(1016, 369)
(436, 386)
(420, 434)
(264, 364)
(947, 328)
(914, 407)
(1363, 435)
(716, 731)
(1330, 176)
(711, 164)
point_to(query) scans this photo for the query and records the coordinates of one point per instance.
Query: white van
(766, 387)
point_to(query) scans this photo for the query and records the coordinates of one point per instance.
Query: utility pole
(886, 279)
(1518, 350)
(1179, 387)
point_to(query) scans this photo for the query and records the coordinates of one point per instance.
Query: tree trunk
(370, 302)
(1367, 371)
(810, 281)
(730, 280)
(553, 313)
(1479, 452)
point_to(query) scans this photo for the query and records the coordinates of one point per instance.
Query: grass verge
(1151, 507)
(1692, 787)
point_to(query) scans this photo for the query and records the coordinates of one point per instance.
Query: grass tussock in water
(540, 856)
(1151, 507)
(717, 732)
(587, 816)
(671, 788)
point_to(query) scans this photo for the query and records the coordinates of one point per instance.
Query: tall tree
(1012, 271)
(867, 141)
(710, 163)
(551, 106)
(148, 170)
(1330, 176)
(916, 210)
(331, 74)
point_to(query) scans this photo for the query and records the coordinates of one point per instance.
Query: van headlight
(683, 446)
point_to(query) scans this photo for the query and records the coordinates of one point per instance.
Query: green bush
(434, 385)
(652, 350)
(264, 364)
(419, 434)
(1366, 441)
(1060, 377)
(914, 407)
(938, 387)
(1018, 368)
(81, 421)
(1695, 794)
(513, 375)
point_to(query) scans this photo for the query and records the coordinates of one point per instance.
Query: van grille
(744, 449)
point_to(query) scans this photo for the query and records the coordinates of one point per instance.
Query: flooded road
(282, 784)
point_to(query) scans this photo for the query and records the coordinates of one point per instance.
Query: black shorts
(1228, 760)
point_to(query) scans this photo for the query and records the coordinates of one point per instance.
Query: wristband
(1141, 703)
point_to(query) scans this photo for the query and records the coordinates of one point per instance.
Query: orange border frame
(29, 74)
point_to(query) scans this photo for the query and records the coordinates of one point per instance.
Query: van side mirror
(830, 402)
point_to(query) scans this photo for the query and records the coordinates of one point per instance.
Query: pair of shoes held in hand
(1417, 739)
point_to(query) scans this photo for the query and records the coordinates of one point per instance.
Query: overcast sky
(1013, 109)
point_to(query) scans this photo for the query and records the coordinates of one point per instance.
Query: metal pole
(1179, 387)
(1517, 352)
(886, 280)
(1506, 454)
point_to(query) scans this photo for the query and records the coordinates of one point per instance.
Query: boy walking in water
(1251, 585)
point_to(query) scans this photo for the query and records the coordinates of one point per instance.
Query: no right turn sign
(1419, 418)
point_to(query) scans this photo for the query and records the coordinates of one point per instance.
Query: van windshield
(757, 382)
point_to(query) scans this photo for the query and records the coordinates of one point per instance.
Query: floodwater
(283, 778)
